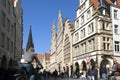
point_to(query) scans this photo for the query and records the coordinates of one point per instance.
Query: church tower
(30, 40)
(53, 38)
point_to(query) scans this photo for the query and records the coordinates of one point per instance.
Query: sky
(40, 14)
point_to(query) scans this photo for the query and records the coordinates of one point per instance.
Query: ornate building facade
(61, 45)
(94, 36)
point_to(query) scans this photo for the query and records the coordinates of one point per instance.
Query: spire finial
(30, 40)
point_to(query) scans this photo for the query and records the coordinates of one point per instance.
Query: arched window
(103, 63)
(77, 67)
(84, 67)
(92, 62)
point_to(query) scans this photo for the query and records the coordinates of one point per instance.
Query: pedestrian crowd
(90, 74)
(45, 75)
(105, 73)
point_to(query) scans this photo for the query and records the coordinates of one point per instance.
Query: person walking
(90, 73)
(55, 74)
(103, 71)
(115, 68)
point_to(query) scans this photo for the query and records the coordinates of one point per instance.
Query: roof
(47, 56)
(109, 1)
(118, 3)
(72, 25)
(96, 2)
(100, 5)
(39, 56)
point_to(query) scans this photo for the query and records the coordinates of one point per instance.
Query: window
(82, 19)
(3, 19)
(90, 28)
(76, 37)
(91, 45)
(108, 39)
(11, 47)
(108, 46)
(106, 43)
(105, 25)
(82, 7)
(117, 46)
(116, 29)
(115, 14)
(115, 2)
(9, 7)
(12, 28)
(77, 23)
(104, 46)
(83, 33)
(2, 40)
(77, 50)
(103, 38)
(8, 25)
(88, 14)
(7, 44)
(83, 48)
(103, 12)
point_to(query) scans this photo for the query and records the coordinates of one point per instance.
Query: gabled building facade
(61, 45)
(115, 17)
(67, 46)
(59, 42)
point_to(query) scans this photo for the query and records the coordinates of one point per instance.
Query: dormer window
(115, 2)
(103, 12)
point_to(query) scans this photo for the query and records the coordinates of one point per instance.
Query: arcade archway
(103, 63)
(84, 66)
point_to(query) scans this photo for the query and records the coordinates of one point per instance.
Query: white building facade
(94, 39)
(115, 16)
